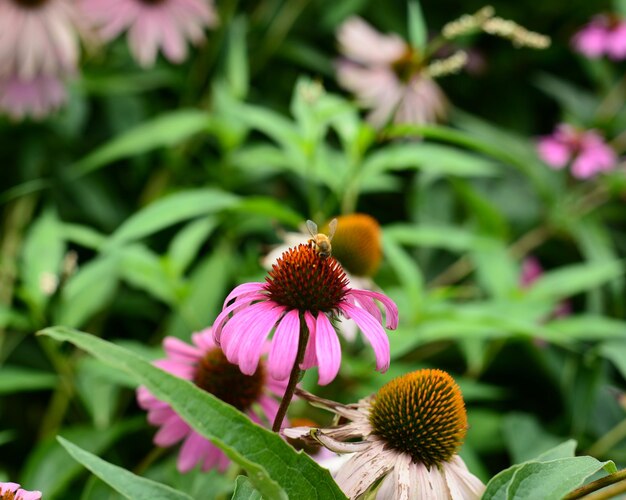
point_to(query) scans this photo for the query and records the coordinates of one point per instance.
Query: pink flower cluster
(41, 42)
(603, 36)
(14, 492)
(585, 150)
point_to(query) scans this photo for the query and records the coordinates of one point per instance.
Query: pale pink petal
(328, 350)
(270, 409)
(284, 346)
(373, 332)
(181, 370)
(193, 450)
(171, 432)
(28, 495)
(362, 43)
(215, 459)
(181, 351)
(158, 416)
(591, 41)
(204, 339)
(554, 152)
(461, 482)
(310, 356)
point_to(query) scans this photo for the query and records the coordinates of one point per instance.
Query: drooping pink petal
(172, 431)
(238, 326)
(391, 309)
(251, 347)
(215, 459)
(181, 351)
(240, 291)
(223, 316)
(373, 332)
(193, 450)
(270, 408)
(310, 356)
(284, 348)
(328, 349)
(362, 43)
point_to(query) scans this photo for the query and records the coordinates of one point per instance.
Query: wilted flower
(39, 38)
(584, 149)
(206, 366)
(12, 491)
(387, 75)
(406, 437)
(604, 35)
(303, 290)
(35, 97)
(153, 24)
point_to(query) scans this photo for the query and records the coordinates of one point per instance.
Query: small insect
(320, 240)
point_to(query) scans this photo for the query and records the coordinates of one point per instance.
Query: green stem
(617, 477)
(294, 378)
(606, 442)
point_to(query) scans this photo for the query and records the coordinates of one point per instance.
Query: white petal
(462, 483)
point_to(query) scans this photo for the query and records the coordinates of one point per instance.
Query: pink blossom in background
(35, 97)
(204, 364)
(585, 150)
(153, 24)
(532, 270)
(38, 38)
(13, 491)
(604, 36)
(382, 72)
(301, 287)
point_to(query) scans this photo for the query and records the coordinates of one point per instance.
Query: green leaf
(616, 352)
(495, 268)
(585, 327)
(449, 238)
(417, 27)
(170, 210)
(15, 379)
(244, 490)
(526, 438)
(271, 208)
(581, 104)
(89, 290)
(570, 280)
(407, 271)
(237, 58)
(124, 482)
(41, 259)
(84, 236)
(436, 159)
(51, 469)
(165, 130)
(142, 268)
(619, 6)
(274, 468)
(186, 244)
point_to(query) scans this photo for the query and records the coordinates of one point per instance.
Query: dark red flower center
(304, 280)
(423, 414)
(225, 381)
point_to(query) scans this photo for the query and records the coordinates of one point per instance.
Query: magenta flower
(36, 97)
(584, 149)
(387, 76)
(303, 289)
(604, 35)
(205, 365)
(12, 491)
(153, 25)
(38, 37)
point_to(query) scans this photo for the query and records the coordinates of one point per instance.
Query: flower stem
(617, 477)
(294, 377)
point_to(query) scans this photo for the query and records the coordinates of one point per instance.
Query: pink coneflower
(36, 97)
(205, 365)
(585, 149)
(153, 24)
(303, 290)
(406, 437)
(12, 491)
(387, 75)
(38, 37)
(604, 35)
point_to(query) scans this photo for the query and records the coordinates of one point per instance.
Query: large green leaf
(170, 210)
(450, 238)
(244, 490)
(274, 468)
(418, 33)
(142, 268)
(121, 480)
(165, 130)
(616, 352)
(585, 327)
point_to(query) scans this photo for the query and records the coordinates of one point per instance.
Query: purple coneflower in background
(36, 97)
(585, 149)
(153, 24)
(405, 437)
(12, 491)
(303, 289)
(386, 74)
(604, 35)
(206, 366)
(38, 37)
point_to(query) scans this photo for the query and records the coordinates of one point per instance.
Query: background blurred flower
(35, 97)
(532, 270)
(407, 435)
(12, 491)
(386, 74)
(206, 366)
(38, 38)
(604, 35)
(302, 286)
(153, 25)
(585, 149)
